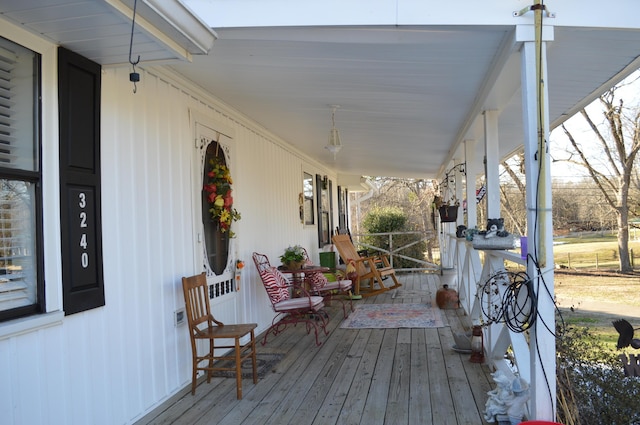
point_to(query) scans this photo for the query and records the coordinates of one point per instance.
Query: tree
(412, 196)
(513, 199)
(611, 166)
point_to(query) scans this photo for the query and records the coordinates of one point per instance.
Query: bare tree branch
(595, 175)
(603, 142)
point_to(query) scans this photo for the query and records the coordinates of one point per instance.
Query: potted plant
(448, 210)
(293, 257)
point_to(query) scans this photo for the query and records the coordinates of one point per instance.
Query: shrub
(393, 219)
(592, 387)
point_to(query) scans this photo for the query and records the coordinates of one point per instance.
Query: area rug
(265, 363)
(409, 293)
(394, 316)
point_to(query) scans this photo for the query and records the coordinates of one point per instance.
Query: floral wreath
(218, 191)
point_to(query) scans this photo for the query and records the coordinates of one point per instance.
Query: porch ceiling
(409, 95)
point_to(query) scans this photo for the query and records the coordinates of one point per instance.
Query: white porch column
(471, 169)
(539, 220)
(452, 189)
(492, 163)
(459, 176)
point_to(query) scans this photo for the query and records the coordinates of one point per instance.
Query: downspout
(366, 196)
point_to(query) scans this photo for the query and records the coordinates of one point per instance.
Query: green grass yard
(583, 283)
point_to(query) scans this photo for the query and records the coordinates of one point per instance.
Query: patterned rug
(410, 293)
(265, 363)
(394, 316)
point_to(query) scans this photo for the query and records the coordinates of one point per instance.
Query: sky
(558, 142)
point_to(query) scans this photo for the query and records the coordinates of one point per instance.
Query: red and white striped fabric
(340, 285)
(311, 303)
(319, 282)
(316, 281)
(276, 284)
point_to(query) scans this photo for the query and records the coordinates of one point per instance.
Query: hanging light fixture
(334, 144)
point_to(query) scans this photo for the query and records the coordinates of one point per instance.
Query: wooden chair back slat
(371, 268)
(348, 252)
(197, 305)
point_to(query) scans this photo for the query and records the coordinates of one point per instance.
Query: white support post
(458, 186)
(492, 163)
(539, 223)
(471, 169)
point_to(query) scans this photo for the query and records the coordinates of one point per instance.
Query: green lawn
(592, 252)
(586, 270)
(595, 281)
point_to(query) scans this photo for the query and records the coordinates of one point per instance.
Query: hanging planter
(448, 213)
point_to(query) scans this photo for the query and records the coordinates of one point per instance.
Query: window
(343, 217)
(21, 280)
(325, 209)
(216, 241)
(307, 188)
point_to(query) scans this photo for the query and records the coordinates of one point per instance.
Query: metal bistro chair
(320, 285)
(304, 308)
(204, 327)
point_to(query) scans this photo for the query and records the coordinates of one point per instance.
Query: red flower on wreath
(218, 192)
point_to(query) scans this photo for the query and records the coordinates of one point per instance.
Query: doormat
(265, 363)
(410, 293)
(394, 316)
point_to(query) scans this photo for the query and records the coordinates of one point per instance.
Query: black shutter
(79, 112)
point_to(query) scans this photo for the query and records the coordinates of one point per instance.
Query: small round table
(298, 275)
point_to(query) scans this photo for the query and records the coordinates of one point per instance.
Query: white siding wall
(112, 365)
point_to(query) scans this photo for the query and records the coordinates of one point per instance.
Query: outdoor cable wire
(535, 257)
(512, 309)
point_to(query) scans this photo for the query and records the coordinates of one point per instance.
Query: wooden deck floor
(367, 376)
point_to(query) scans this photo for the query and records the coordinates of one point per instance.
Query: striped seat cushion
(313, 303)
(319, 282)
(276, 285)
(340, 285)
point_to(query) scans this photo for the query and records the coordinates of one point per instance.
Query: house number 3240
(84, 255)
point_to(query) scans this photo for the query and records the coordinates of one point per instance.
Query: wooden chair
(371, 268)
(204, 327)
(346, 231)
(304, 308)
(319, 284)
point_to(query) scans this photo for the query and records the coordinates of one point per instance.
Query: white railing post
(472, 275)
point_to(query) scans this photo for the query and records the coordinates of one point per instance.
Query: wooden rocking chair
(304, 308)
(371, 268)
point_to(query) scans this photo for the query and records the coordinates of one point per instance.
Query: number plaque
(82, 213)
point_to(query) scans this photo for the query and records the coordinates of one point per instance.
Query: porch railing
(397, 250)
(507, 350)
